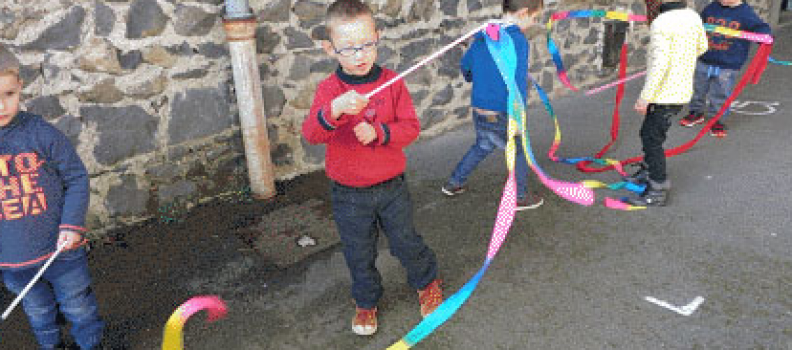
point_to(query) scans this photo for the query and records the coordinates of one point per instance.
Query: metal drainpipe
(240, 27)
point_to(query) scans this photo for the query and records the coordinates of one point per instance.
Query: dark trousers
(653, 134)
(66, 284)
(359, 214)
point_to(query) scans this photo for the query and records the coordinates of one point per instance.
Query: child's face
(730, 3)
(526, 19)
(354, 44)
(10, 92)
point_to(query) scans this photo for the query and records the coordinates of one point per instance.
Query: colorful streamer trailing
(557, 16)
(609, 202)
(505, 57)
(173, 338)
(502, 50)
(783, 63)
(756, 37)
(757, 66)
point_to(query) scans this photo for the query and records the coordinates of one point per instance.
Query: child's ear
(328, 47)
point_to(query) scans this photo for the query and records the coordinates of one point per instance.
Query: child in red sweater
(365, 162)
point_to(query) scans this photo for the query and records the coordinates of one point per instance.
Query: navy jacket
(727, 52)
(44, 188)
(489, 90)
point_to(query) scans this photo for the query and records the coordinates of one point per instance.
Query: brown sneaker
(365, 321)
(430, 297)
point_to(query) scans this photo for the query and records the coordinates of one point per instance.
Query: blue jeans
(359, 213)
(67, 282)
(715, 83)
(490, 135)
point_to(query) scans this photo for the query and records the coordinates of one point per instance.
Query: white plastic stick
(432, 56)
(618, 82)
(33, 281)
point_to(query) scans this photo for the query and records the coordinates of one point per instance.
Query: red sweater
(390, 112)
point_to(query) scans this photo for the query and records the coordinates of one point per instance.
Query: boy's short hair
(346, 9)
(9, 64)
(517, 5)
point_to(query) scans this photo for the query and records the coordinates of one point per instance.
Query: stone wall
(143, 87)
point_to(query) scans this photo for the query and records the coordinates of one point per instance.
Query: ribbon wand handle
(618, 82)
(431, 57)
(33, 281)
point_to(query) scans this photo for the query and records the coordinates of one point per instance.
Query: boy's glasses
(353, 50)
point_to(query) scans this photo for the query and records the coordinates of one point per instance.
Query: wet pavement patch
(292, 233)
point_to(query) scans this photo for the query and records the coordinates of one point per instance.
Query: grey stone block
(183, 49)
(193, 21)
(191, 74)
(474, 5)
(301, 68)
(314, 154)
(180, 190)
(123, 132)
(282, 155)
(431, 117)
(103, 92)
(326, 66)
(450, 63)
(198, 113)
(309, 12)
(449, 7)
(130, 60)
(297, 40)
(274, 100)
(64, 34)
(104, 18)
(266, 39)
(127, 198)
(48, 107)
(145, 19)
(443, 96)
(275, 11)
(70, 126)
(212, 50)
(30, 73)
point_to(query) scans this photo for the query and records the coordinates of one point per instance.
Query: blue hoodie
(489, 90)
(727, 52)
(44, 188)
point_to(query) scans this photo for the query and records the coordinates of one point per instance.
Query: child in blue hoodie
(489, 101)
(44, 196)
(717, 70)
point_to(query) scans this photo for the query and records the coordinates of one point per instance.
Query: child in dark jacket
(489, 102)
(44, 193)
(717, 70)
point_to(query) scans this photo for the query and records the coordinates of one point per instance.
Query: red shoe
(692, 119)
(365, 321)
(430, 297)
(718, 130)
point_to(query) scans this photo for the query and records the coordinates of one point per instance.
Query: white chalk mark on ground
(686, 310)
(754, 107)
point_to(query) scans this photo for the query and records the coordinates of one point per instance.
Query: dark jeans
(491, 135)
(359, 213)
(711, 87)
(67, 282)
(653, 134)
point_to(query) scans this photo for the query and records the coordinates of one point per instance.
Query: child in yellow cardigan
(677, 39)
